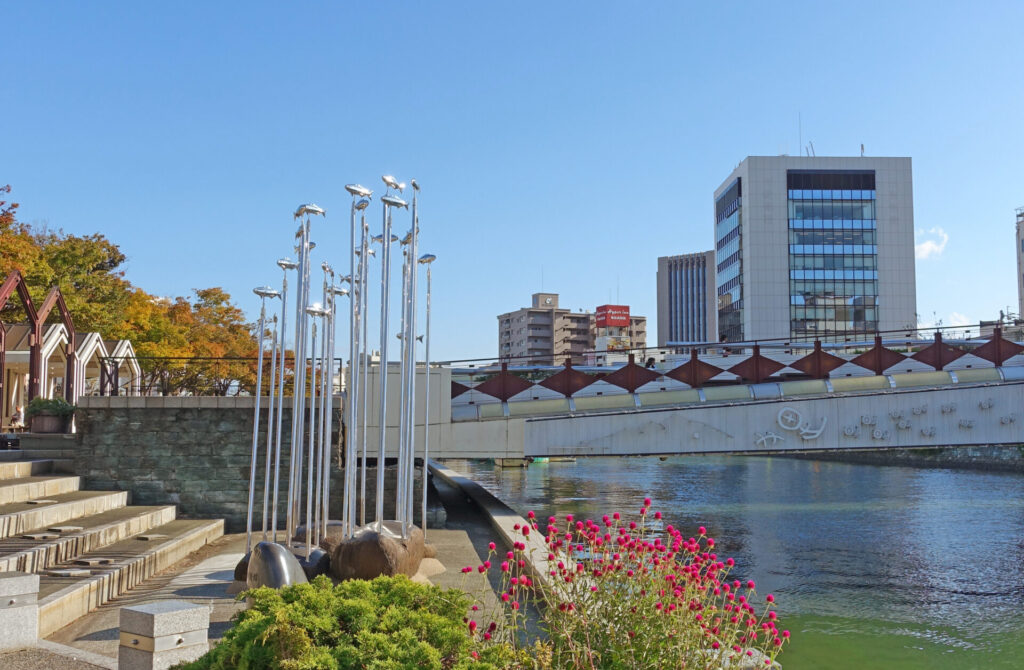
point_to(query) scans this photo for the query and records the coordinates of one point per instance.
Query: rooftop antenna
(862, 150)
(812, 147)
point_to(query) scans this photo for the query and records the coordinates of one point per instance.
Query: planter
(48, 423)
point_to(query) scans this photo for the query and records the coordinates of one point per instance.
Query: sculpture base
(274, 565)
(377, 550)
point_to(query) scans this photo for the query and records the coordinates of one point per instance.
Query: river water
(872, 567)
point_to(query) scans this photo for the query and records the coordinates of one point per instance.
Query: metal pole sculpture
(364, 387)
(270, 424)
(263, 292)
(299, 394)
(285, 264)
(333, 292)
(320, 515)
(389, 201)
(403, 419)
(426, 259)
(411, 411)
(314, 311)
(360, 201)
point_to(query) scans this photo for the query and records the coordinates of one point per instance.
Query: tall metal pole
(270, 424)
(403, 395)
(311, 468)
(426, 259)
(285, 265)
(360, 201)
(389, 201)
(299, 396)
(411, 413)
(364, 387)
(263, 292)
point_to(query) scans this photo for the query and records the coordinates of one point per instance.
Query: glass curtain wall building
(815, 248)
(833, 254)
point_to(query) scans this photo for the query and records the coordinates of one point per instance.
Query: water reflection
(932, 558)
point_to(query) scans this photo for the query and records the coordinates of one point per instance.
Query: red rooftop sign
(612, 315)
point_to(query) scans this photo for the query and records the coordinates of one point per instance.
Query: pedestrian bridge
(944, 394)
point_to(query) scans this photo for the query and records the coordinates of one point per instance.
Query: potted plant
(49, 415)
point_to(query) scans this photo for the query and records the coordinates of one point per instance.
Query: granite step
(38, 551)
(24, 517)
(36, 487)
(25, 468)
(62, 599)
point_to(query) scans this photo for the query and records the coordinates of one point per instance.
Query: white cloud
(958, 319)
(931, 243)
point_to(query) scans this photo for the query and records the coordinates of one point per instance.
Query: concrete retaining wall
(1002, 458)
(193, 452)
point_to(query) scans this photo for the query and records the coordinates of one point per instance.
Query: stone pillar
(162, 634)
(19, 609)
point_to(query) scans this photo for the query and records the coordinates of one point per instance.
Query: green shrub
(49, 406)
(384, 624)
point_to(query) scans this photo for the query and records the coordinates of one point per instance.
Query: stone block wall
(195, 453)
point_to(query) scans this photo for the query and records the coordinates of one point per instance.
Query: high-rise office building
(815, 247)
(1020, 262)
(687, 307)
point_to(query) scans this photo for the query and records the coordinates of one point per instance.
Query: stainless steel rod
(270, 424)
(255, 430)
(383, 366)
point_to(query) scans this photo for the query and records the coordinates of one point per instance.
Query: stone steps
(24, 517)
(35, 487)
(89, 546)
(20, 469)
(36, 552)
(62, 599)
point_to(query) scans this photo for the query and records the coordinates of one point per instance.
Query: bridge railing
(700, 372)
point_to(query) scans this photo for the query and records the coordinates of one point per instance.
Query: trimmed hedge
(384, 624)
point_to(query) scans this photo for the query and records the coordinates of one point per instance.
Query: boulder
(374, 551)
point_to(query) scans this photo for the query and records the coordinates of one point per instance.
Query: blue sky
(578, 140)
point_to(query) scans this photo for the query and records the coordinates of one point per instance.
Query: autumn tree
(167, 334)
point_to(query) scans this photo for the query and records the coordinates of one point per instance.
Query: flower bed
(628, 594)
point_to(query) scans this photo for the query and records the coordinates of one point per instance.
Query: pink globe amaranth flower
(481, 569)
(593, 588)
(510, 555)
(487, 565)
(526, 531)
(785, 633)
(487, 636)
(750, 584)
(770, 598)
(515, 527)
(522, 563)
(657, 515)
(515, 606)
(504, 566)
(475, 608)
(531, 515)
(474, 654)
(616, 516)
(629, 573)
(513, 581)
(715, 645)
(702, 530)
(504, 597)
(568, 518)
(472, 626)
(467, 569)
(730, 562)
(492, 546)
(647, 502)
(632, 525)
